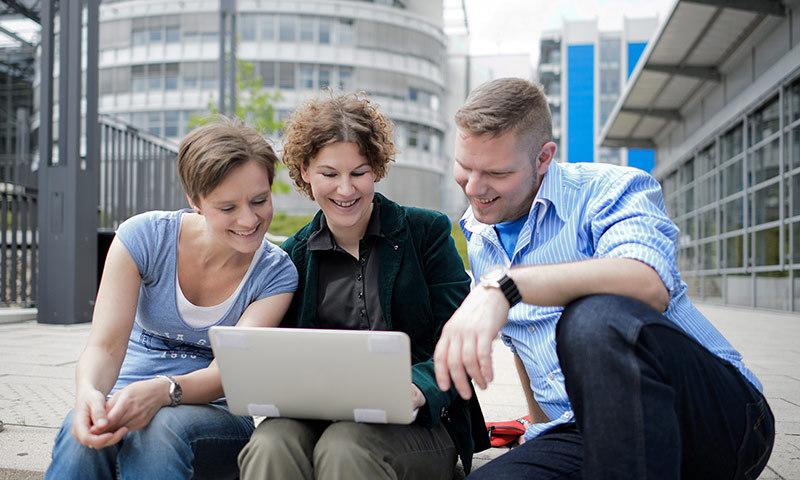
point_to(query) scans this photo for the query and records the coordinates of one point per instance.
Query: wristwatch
(496, 276)
(175, 391)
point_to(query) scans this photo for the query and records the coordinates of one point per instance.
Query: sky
(514, 26)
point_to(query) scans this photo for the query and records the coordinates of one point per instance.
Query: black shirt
(347, 293)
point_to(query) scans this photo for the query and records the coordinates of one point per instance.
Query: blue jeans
(187, 441)
(649, 402)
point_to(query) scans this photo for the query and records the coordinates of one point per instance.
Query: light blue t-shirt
(508, 233)
(161, 343)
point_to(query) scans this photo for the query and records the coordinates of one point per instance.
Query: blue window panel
(580, 103)
(642, 159)
(634, 52)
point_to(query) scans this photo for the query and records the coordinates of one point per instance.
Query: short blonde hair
(334, 118)
(505, 104)
(209, 153)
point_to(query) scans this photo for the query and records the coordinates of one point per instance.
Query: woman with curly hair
(367, 263)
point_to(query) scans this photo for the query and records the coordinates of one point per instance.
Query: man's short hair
(208, 154)
(331, 118)
(505, 104)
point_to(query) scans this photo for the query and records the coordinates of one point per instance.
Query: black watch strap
(510, 290)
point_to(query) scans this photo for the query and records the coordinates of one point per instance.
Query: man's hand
(90, 425)
(465, 347)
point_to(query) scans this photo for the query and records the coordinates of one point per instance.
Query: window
(191, 73)
(267, 73)
(173, 34)
(154, 123)
(267, 27)
(155, 76)
(766, 162)
(171, 76)
(325, 74)
(346, 79)
(733, 215)
(413, 135)
(156, 35)
(732, 178)
(247, 28)
(764, 122)
(609, 81)
(209, 75)
(170, 124)
(767, 247)
(345, 30)
(286, 28)
(708, 223)
(413, 94)
(139, 37)
(609, 50)
(106, 81)
(767, 204)
(306, 77)
(793, 102)
(325, 28)
(734, 252)
(732, 142)
(306, 29)
(709, 252)
(138, 78)
(286, 76)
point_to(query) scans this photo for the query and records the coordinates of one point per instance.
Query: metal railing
(138, 172)
(18, 227)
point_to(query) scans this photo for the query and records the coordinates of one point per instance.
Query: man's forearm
(560, 283)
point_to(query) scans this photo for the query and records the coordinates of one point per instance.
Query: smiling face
(498, 176)
(343, 184)
(239, 210)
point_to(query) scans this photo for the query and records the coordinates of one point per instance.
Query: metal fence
(138, 172)
(18, 224)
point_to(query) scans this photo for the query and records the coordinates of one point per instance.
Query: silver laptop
(357, 375)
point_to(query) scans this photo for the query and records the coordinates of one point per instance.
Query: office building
(583, 70)
(159, 66)
(717, 95)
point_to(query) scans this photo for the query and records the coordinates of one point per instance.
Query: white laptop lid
(357, 375)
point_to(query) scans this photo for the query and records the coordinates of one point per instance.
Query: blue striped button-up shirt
(582, 211)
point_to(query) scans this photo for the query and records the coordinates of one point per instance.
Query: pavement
(37, 365)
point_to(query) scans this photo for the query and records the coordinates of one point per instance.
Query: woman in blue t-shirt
(146, 384)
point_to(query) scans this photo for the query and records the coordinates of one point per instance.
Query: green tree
(254, 104)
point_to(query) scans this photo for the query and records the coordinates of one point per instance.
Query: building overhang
(685, 53)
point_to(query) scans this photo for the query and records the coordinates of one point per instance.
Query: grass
(461, 243)
(287, 225)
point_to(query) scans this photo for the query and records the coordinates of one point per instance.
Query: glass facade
(736, 201)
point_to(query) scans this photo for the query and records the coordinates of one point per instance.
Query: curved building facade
(159, 65)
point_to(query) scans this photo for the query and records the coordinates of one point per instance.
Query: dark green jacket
(422, 281)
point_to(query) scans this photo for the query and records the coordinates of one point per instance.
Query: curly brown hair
(333, 118)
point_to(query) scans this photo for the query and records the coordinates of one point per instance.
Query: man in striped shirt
(578, 274)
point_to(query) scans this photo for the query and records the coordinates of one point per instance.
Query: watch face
(494, 273)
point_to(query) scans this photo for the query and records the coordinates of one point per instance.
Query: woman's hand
(418, 397)
(90, 425)
(135, 405)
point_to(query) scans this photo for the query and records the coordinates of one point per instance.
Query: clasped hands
(98, 422)
(464, 349)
